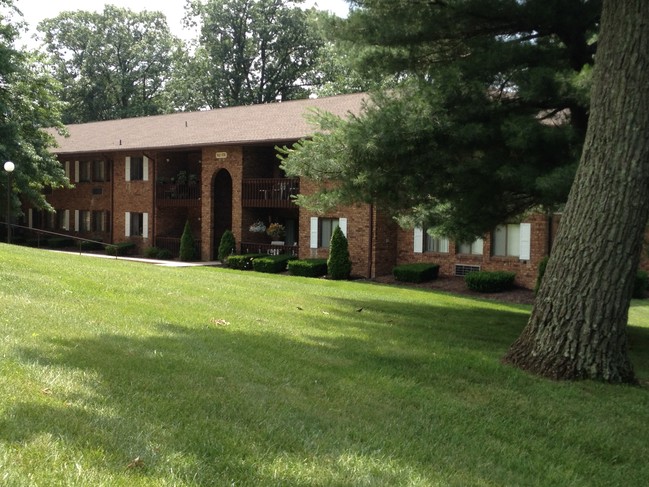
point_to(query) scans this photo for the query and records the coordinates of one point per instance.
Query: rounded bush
(490, 282)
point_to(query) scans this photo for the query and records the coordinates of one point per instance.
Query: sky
(36, 10)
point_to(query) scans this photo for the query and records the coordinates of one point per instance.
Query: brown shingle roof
(274, 122)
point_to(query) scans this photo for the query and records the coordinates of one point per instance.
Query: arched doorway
(222, 208)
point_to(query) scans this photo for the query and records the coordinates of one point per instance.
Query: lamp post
(9, 167)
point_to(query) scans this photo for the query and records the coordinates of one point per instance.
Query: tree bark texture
(577, 329)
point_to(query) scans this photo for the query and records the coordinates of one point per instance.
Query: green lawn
(116, 373)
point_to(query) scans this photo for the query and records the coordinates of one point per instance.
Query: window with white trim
(471, 248)
(136, 224)
(84, 171)
(323, 228)
(435, 244)
(424, 242)
(137, 168)
(326, 228)
(84, 221)
(63, 219)
(98, 221)
(99, 171)
(506, 240)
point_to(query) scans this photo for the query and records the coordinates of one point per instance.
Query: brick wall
(526, 271)
(215, 159)
(359, 233)
(133, 197)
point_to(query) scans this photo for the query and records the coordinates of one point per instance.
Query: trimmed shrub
(85, 245)
(60, 242)
(490, 282)
(187, 244)
(122, 248)
(271, 264)
(151, 252)
(641, 285)
(339, 265)
(226, 246)
(539, 278)
(165, 254)
(308, 267)
(416, 272)
(243, 262)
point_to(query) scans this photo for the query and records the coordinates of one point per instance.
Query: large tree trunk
(578, 326)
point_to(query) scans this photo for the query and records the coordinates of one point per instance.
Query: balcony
(174, 194)
(270, 249)
(269, 192)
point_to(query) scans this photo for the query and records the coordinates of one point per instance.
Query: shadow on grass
(376, 396)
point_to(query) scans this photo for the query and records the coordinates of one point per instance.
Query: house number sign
(221, 155)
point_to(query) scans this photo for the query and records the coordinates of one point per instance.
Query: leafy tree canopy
(28, 106)
(112, 64)
(251, 51)
(486, 121)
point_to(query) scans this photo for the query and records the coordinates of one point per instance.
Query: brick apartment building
(141, 179)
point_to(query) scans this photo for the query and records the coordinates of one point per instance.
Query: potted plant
(257, 227)
(276, 231)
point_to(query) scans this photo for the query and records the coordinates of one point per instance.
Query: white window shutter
(418, 247)
(76, 171)
(30, 218)
(145, 225)
(127, 223)
(525, 241)
(66, 219)
(76, 220)
(342, 223)
(66, 168)
(314, 232)
(145, 168)
(128, 169)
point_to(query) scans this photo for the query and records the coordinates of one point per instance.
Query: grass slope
(117, 373)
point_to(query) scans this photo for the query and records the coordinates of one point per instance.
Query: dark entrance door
(222, 210)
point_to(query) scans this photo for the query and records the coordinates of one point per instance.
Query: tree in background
(486, 121)
(112, 64)
(578, 325)
(28, 106)
(251, 51)
(339, 264)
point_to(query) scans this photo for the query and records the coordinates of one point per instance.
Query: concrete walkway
(161, 263)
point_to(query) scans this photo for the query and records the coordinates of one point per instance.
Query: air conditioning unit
(463, 270)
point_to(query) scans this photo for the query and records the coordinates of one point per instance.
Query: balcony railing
(270, 249)
(269, 192)
(174, 194)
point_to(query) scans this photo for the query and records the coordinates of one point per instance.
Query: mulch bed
(456, 285)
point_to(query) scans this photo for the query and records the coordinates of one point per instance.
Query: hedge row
(490, 281)
(308, 267)
(243, 262)
(122, 248)
(416, 272)
(272, 264)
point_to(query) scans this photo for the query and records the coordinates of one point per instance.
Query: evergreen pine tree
(187, 244)
(339, 265)
(227, 245)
